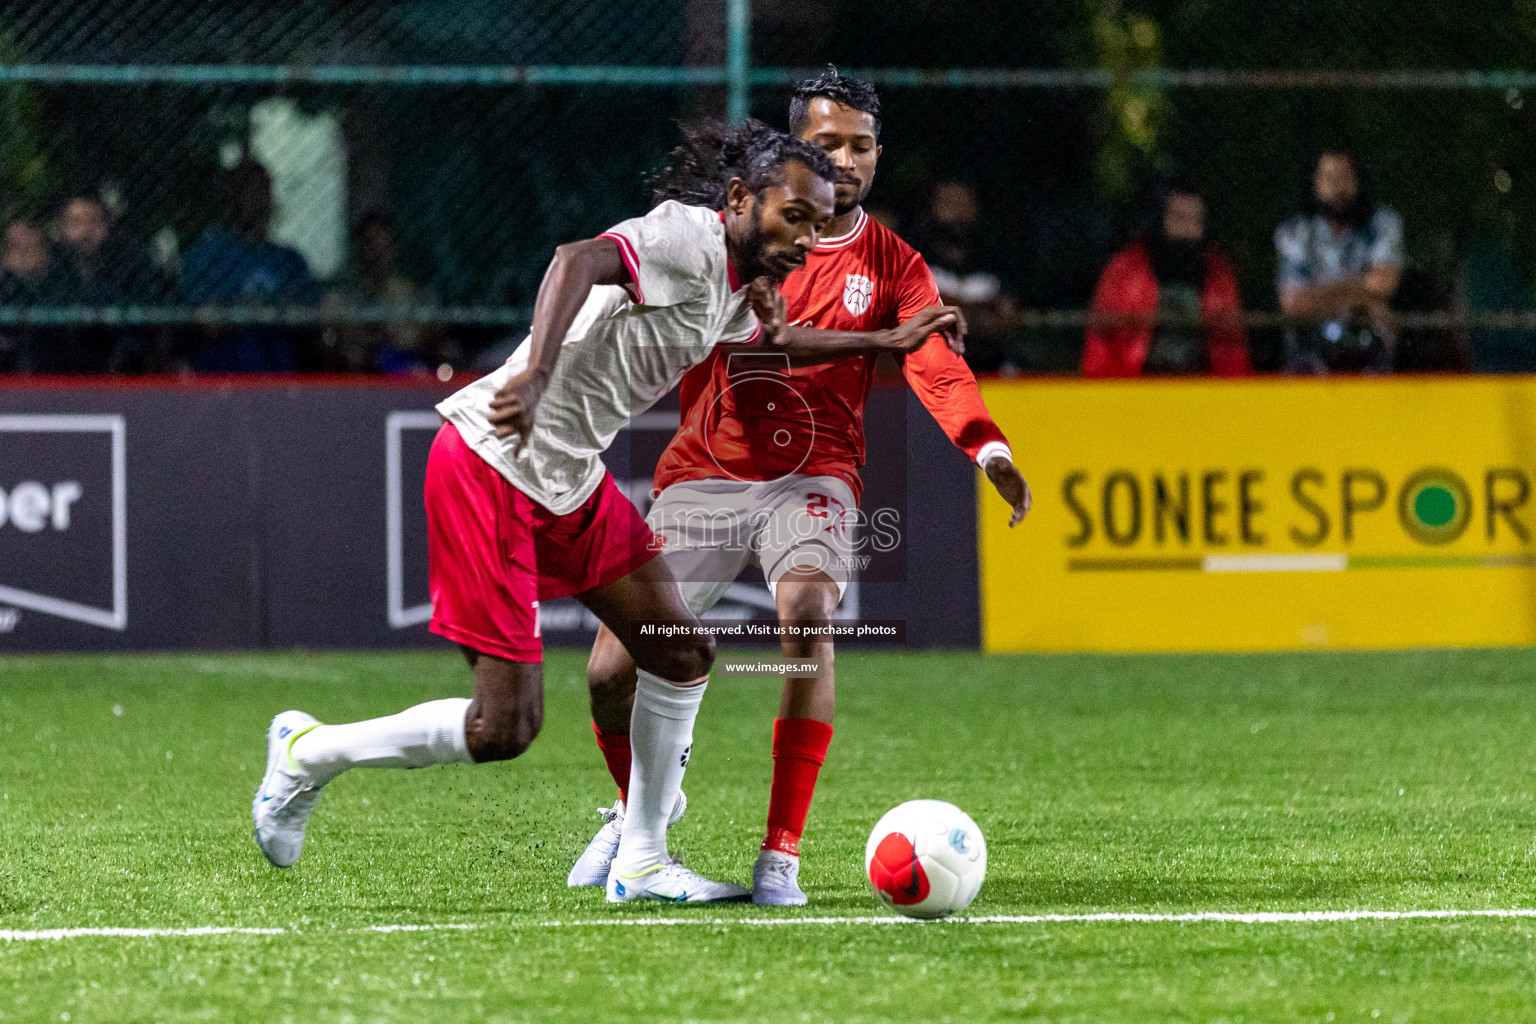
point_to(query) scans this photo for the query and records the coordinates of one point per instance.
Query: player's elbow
(568, 257)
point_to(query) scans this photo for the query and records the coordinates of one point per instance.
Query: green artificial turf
(1147, 785)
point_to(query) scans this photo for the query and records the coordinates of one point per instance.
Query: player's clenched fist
(513, 405)
(768, 303)
(930, 320)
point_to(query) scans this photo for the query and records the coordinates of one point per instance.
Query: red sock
(799, 748)
(615, 748)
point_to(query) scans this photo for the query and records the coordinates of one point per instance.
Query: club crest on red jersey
(858, 293)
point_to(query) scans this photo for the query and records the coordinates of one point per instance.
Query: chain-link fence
(332, 185)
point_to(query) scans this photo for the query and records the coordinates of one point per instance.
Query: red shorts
(493, 552)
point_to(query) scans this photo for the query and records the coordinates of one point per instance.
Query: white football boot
(286, 795)
(776, 880)
(591, 868)
(672, 883)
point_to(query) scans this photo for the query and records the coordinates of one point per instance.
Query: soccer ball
(926, 858)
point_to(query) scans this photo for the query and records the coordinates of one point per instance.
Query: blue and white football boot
(591, 868)
(286, 795)
(672, 883)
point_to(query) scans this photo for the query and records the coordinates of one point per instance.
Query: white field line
(1257, 917)
(1198, 917)
(51, 934)
(128, 933)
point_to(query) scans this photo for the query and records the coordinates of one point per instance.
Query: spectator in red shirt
(1177, 296)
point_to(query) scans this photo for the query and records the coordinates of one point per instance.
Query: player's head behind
(840, 116)
(776, 191)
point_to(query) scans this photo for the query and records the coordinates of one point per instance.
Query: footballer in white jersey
(519, 508)
(616, 362)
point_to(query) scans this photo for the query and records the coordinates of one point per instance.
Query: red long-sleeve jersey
(748, 415)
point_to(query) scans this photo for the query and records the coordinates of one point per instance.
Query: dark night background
(483, 181)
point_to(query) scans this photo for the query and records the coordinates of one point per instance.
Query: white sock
(660, 738)
(427, 734)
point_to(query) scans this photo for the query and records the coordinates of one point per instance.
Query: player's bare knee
(806, 596)
(695, 659)
(514, 734)
(812, 605)
(683, 660)
(703, 656)
(505, 733)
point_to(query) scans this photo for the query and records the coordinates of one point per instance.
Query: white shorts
(715, 528)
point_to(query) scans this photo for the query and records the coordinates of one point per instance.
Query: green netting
(484, 133)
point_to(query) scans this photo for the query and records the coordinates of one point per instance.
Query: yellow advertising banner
(1264, 515)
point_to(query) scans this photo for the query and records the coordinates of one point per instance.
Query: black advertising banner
(63, 529)
(262, 513)
(157, 548)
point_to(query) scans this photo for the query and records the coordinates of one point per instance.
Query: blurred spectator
(1177, 293)
(373, 278)
(99, 267)
(234, 264)
(29, 276)
(28, 270)
(950, 238)
(1341, 261)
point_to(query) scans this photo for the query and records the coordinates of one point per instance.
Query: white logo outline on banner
(401, 617)
(395, 424)
(858, 294)
(49, 423)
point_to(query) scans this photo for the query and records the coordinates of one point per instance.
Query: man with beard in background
(1168, 303)
(1341, 262)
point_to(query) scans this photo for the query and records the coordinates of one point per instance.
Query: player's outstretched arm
(811, 345)
(948, 389)
(576, 268)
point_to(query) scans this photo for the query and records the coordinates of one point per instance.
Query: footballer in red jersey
(764, 470)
